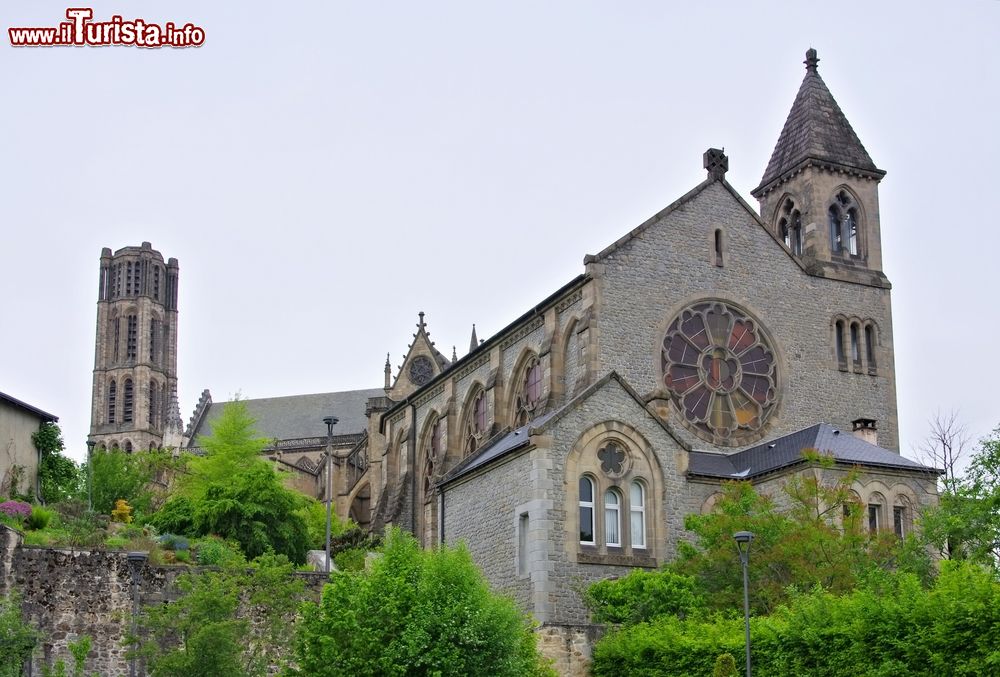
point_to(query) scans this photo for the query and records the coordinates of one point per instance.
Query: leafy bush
(122, 512)
(176, 516)
(17, 638)
(39, 518)
(172, 542)
(58, 476)
(641, 596)
(891, 626)
(213, 551)
(415, 612)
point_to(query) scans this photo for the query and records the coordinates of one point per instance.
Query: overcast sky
(323, 171)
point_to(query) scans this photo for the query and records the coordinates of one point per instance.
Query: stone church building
(711, 342)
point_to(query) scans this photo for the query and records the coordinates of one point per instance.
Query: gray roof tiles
(816, 129)
(786, 451)
(300, 416)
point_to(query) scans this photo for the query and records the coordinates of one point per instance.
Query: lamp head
(743, 539)
(330, 420)
(91, 444)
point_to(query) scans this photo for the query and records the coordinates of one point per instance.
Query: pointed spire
(816, 129)
(420, 325)
(388, 372)
(454, 354)
(474, 342)
(174, 420)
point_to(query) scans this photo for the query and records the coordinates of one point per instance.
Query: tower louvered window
(131, 344)
(112, 400)
(128, 403)
(844, 235)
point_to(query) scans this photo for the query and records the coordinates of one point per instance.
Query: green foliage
(17, 638)
(254, 509)
(40, 518)
(414, 612)
(350, 549)
(79, 649)
(642, 596)
(233, 447)
(176, 516)
(59, 477)
(213, 551)
(966, 523)
(205, 633)
(808, 543)
(892, 625)
(314, 516)
(725, 666)
(118, 475)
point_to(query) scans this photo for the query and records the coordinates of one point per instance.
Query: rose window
(720, 371)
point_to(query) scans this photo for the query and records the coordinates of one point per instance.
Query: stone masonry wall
(647, 281)
(67, 594)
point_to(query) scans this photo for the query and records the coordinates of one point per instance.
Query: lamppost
(90, 475)
(743, 539)
(330, 421)
(135, 562)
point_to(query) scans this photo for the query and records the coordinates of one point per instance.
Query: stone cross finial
(421, 323)
(716, 163)
(812, 61)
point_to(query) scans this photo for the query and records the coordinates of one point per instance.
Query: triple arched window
(844, 229)
(855, 344)
(621, 521)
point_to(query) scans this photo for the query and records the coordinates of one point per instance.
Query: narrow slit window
(855, 344)
(870, 347)
(839, 340)
(522, 544)
(718, 248)
(112, 400)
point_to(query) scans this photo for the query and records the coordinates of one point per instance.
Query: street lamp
(743, 539)
(330, 421)
(90, 475)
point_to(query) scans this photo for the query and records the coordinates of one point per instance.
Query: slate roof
(816, 129)
(299, 416)
(43, 415)
(787, 451)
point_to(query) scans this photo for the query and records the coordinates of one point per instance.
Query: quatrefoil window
(613, 459)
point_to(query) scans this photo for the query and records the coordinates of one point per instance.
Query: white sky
(324, 170)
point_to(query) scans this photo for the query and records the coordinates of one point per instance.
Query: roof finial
(421, 323)
(716, 162)
(388, 372)
(454, 354)
(474, 342)
(811, 61)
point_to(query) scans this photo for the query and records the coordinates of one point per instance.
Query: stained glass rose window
(720, 371)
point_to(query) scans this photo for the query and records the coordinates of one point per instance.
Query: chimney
(864, 428)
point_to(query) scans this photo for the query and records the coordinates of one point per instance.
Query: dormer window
(790, 227)
(843, 217)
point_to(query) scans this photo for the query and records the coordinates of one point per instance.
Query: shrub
(39, 518)
(415, 612)
(642, 596)
(172, 542)
(122, 512)
(213, 551)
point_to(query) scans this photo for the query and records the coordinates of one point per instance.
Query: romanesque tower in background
(134, 402)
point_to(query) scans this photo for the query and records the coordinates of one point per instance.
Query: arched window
(154, 327)
(612, 518)
(838, 338)
(876, 517)
(153, 418)
(128, 446)
(116, 327)
(870, 348)
(437, 439)
(531, 392)
(112, 400)
(586, 510)
(790, 227)
(843, 217)
(131, 345)
(475, 428)
(637, 511)
(855, 345)
(127, 408)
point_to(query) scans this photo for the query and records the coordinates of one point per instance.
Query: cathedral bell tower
(135, 358)
(819, 193)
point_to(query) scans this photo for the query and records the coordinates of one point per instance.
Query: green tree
(59, 477)
(17, 638)
(817, 539)
(966, 523)
(233, 492)
(120, 475)
(414, 612)
(207, 631)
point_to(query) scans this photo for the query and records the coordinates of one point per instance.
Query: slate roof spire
(816, 130)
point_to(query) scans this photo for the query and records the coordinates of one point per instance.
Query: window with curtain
(637, 510)
(612, 518)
